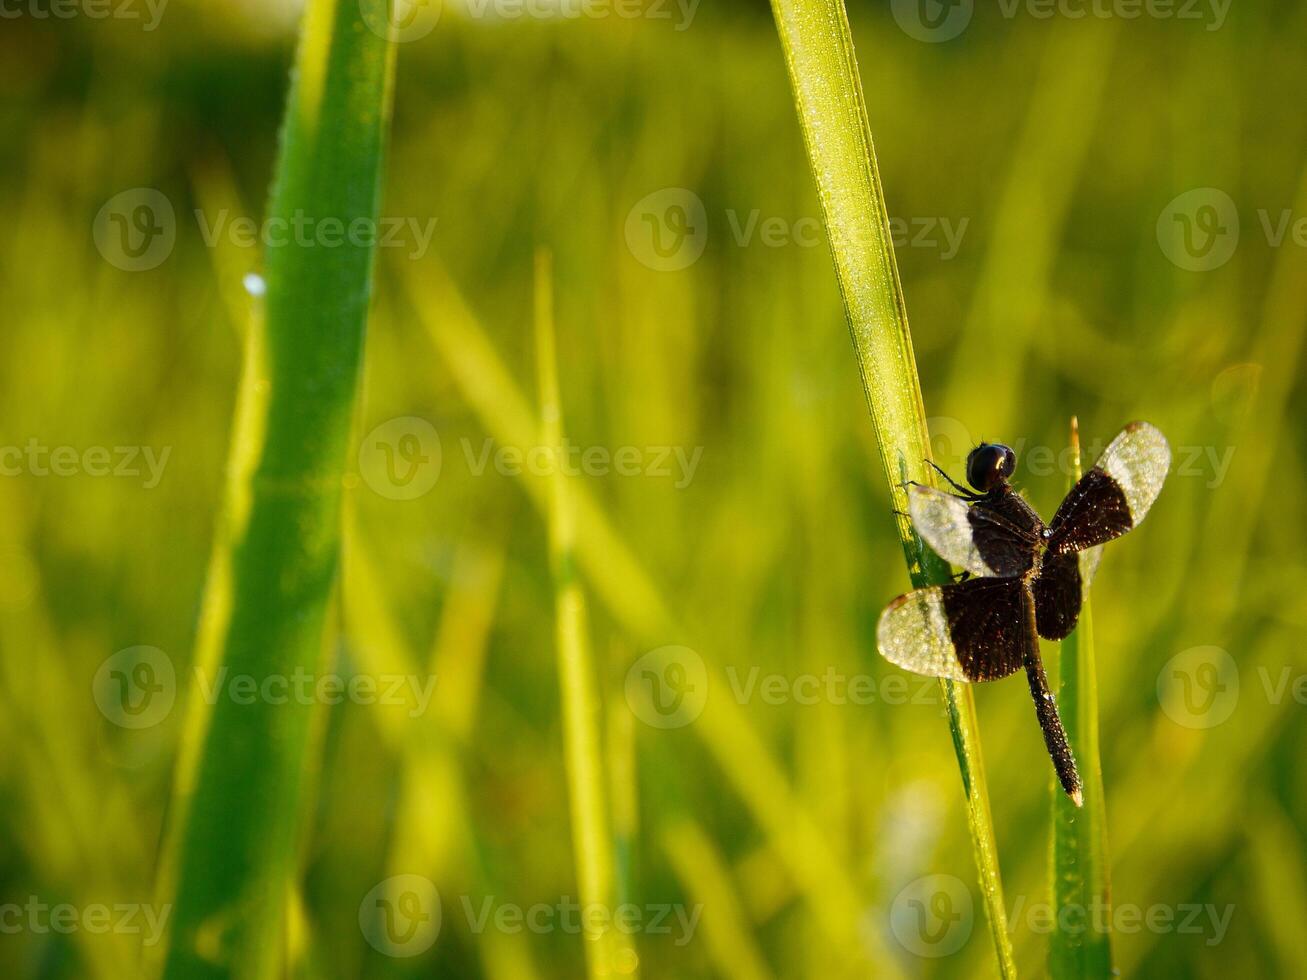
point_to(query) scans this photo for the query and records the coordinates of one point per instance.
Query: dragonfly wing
(1116, 494)
(968, 631)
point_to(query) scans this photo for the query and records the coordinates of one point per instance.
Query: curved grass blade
(818, 46)
(704, 874)
(622, 584)
(1080, 871)
(608, 952)
(244, 772)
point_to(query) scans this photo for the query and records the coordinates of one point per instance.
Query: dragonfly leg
(962, 491)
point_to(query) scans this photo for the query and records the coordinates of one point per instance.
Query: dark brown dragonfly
(1022, 578)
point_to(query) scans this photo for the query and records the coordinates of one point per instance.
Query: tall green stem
(818, 46)
(608, 952)
(1081, 945)
(245, 769)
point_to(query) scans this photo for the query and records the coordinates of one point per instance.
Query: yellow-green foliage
(1059, 142)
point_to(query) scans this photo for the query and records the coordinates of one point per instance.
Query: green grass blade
(243, 774)
(607, 951)
(818, 46)
(1080, 867)
(621, 583)
(728, 933)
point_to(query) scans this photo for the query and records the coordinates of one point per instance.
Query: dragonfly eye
(990, 464)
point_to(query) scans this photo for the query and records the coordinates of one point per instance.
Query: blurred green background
(1097, 216)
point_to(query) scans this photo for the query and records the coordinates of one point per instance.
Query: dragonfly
(1021, 578)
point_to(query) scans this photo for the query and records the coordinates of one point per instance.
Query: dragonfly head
(990, 464)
